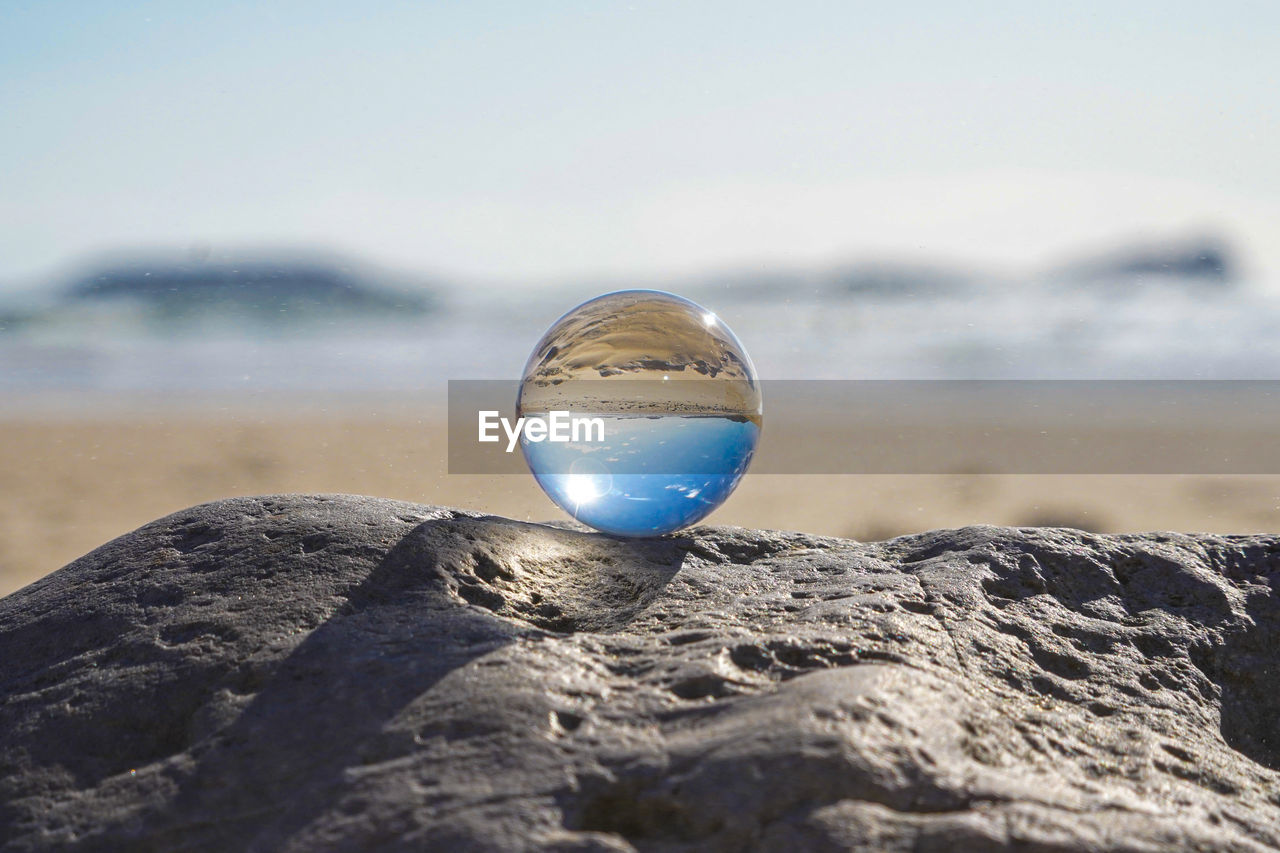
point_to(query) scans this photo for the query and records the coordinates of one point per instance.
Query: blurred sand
(69, 483)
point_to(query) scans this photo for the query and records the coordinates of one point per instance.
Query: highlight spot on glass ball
(658, 408)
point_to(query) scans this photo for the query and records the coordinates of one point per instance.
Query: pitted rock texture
(333, 672)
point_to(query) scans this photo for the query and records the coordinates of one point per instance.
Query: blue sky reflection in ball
(676, 405)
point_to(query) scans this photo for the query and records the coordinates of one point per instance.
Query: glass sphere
(642, 412)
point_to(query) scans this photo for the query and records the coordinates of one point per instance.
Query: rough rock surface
(303, 673)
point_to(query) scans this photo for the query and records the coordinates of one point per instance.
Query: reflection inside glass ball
(670, 406)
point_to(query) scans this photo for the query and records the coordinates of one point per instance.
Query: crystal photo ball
(656, 406)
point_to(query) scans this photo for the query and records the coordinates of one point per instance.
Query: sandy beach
(73, 478)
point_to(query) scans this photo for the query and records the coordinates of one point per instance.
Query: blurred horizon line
(1238, 262)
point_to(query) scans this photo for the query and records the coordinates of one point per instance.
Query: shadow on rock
(310, 720)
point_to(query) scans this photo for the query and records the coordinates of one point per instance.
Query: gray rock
(302, 673)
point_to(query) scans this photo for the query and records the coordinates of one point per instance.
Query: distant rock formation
(279, 291)
(896, 279)
(877, 279)
(1203, 260)
(300, 673)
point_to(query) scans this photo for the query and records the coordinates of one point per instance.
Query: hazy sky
(531, 140)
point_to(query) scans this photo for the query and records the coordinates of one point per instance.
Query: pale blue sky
(527, 141)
